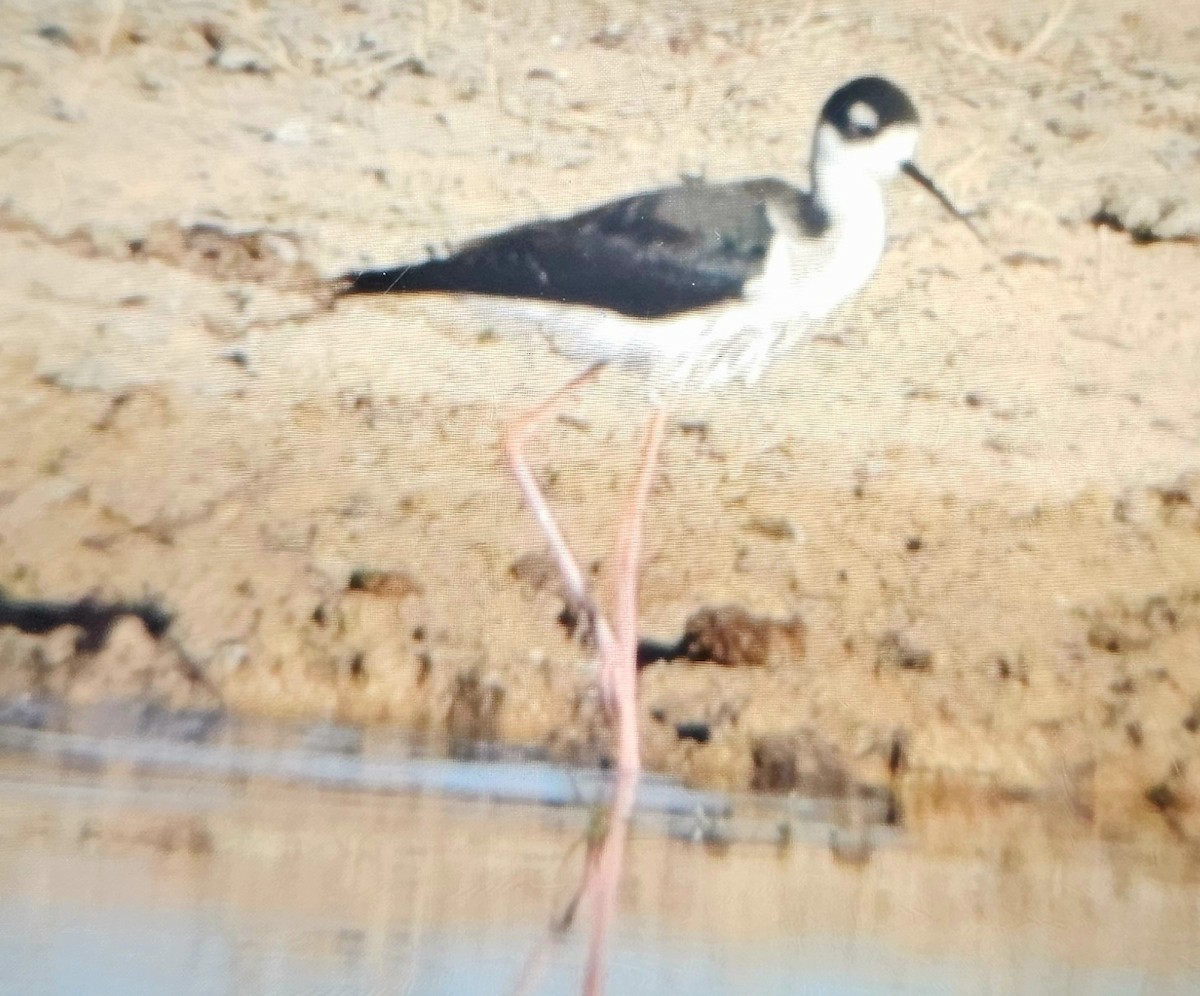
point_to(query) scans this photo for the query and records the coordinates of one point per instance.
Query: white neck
(854, 240)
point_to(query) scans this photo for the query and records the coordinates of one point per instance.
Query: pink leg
(617, 646)
(612, 650)
(623, 679)
(514, 448)
(606, 875)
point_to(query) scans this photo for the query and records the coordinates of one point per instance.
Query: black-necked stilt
(698, 281)
(699, 284)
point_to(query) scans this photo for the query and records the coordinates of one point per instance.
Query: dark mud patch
(730, 636)
(95, 619)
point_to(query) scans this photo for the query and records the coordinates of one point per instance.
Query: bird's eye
(862, 120)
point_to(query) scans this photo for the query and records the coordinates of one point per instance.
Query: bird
(696, 285)
(698, 281)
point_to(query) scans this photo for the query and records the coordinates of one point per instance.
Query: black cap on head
(866, 106)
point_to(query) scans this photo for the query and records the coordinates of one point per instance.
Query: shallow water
(310, 862)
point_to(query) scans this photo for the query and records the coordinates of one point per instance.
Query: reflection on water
(121, 876)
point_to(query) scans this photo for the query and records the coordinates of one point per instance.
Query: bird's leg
(623, 680)
(578, 597)
(606, 873)
(617, 646)
(604, 876)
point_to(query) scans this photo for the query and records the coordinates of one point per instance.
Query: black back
(649, 255)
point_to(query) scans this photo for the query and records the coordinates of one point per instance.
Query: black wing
(649, 255)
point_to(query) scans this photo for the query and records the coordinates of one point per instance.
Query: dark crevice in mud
(653, 651)
(96, 619)
(1141, 234)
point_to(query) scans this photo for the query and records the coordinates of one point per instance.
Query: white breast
(810, 277)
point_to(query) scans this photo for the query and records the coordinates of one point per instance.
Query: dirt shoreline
(960, 529)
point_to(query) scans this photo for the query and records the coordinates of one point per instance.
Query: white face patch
(838, 161)
(863, 115)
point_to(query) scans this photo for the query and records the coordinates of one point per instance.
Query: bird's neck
(850, 199)
(853, 204)
(851, 209)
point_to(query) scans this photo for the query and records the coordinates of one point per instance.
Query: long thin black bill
(912, 170)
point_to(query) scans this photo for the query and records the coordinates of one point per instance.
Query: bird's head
(868, 130)
(868, 127)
